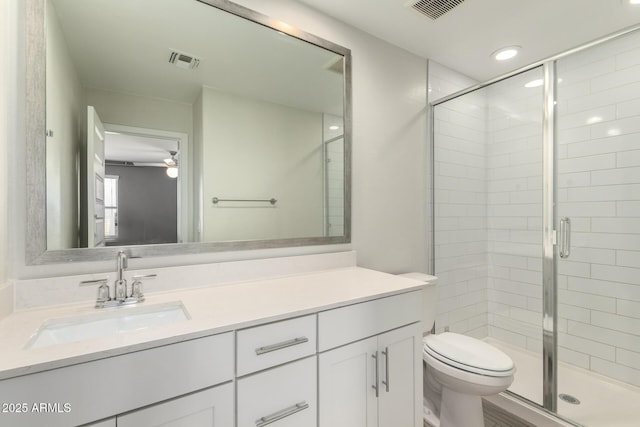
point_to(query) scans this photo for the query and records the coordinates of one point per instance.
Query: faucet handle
(136, 286)
(103, 289)
(93, 282)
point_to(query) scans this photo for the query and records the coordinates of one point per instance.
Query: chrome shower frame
(550, 252)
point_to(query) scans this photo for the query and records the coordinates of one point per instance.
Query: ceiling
(464, 38)
(139, 149)
(124, 46)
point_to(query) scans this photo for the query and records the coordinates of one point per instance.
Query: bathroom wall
(514, 210)
(444, 81)
(65, 118)
(390, 143)
(599, 189)
(140, 111)
(460, 203)
(334, 174)
(7, 50)
(147, 205)
(254, 149)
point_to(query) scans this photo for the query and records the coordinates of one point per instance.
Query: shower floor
(603, 402)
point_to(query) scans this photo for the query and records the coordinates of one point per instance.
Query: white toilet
(458, 370)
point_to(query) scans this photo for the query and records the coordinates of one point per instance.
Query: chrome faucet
(120, 296)
(120, 286)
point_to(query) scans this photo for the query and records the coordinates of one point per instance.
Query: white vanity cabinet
(282, 397)
(84, 392)
(277, 366)
(208, 408)
(374, 381)
(342, 350)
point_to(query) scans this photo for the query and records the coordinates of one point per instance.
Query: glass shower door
(598, 185)
(488, 220)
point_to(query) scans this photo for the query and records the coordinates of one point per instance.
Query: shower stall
(536, 208)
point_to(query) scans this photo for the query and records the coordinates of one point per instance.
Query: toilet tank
(429, 299)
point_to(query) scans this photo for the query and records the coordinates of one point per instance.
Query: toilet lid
(468, 354)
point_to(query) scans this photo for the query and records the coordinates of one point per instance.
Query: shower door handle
(564, 244)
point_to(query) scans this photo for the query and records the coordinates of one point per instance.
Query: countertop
(212, 310)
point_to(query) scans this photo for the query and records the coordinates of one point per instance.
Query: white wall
(7, 50)
(254, 149)
(197, 167)
(65, 118)
(599, 189)
(334, 175)
(444, 81)
(390, 141)
(139, 111)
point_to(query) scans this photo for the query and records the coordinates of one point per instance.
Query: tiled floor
(603, 402)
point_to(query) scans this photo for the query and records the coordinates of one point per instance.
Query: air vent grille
(183, 60)
(434, 9)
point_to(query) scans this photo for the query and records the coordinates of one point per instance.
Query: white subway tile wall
(599, 189)
(460, 194)
(514, 211)
(334, 174)
(488, 195)
(488, 212)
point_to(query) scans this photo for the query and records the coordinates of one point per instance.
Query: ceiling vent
(434, 9)
(183, 60)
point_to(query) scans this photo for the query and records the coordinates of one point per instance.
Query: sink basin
(111, 321)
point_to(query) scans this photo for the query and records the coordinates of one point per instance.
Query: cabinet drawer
(102, 388)
(348, 324)
(269, 345)
(280, 397)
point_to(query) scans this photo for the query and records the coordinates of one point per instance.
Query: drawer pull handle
(281, 345)
(282, 414)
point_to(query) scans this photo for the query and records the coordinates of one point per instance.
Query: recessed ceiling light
(505, 53)
(334, 127)
(634, 1)
(534, 83)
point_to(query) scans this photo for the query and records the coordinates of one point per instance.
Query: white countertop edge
(62, 355)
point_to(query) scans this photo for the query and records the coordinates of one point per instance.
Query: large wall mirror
(181, 126)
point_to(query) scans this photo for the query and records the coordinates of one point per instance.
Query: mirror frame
(35, 127)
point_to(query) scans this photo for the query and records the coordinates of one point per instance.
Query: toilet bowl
(458, 370)
(464, 369)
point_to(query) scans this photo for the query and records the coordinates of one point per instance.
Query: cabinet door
(400, 402)
(346, 377)
(209, 408)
